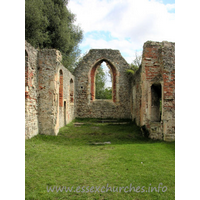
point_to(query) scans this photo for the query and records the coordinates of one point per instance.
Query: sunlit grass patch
(70, 160)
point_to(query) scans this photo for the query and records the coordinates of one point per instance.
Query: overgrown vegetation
(69, 160)
(135, 64)
(49, 24)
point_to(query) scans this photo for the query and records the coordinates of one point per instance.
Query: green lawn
(71, 159)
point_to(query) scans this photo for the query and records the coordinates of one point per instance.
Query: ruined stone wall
(55, 109)
(66, 112)
(31, 103)
(86, 106)
(157, 80)
(46, 109)
(168, 63)
(136, 95)
(53, 96)
(48, 85)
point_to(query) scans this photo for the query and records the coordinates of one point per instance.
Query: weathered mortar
(48, 92)
(43, 114)
(135, 96)
(52, 93)
(31, 85)
(51, 114)
(158, 67)
(69, 112)
(86, 106)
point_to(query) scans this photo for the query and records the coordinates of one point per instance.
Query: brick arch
(114, 77)
(61, 88)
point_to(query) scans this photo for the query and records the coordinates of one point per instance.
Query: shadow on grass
(90, 132)
(170, 146)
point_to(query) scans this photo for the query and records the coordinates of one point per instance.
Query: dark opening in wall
(71, 91)
(65, 113)
(26, 54)
(61, 89)
(156, 102)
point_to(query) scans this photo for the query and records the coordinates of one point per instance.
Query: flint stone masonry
(52, 115)
(31, 95)
(54, 96)
(43, 113)
(158, 68)
(86, 104)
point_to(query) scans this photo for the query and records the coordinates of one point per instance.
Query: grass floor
(71, 159)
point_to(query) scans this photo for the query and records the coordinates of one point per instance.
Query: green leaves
(35, 22)
(49, 24)
(108, 93)
(100, 83)
(130, 71)
(135, 64)
(101, 91)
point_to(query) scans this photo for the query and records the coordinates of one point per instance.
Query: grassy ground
(71, 159)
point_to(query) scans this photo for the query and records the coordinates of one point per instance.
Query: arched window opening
(103, 81)
(61, 89)
(156, 102)
(71, 91)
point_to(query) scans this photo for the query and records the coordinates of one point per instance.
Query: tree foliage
(100, 83)
(101, 91)
(135, 64)
(108, 93)
(49, 24)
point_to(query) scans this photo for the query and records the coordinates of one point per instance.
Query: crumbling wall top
(161, 44)
(98, 55)
(104, 51)
(52, 54)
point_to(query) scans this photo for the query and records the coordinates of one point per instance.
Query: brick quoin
(93, 82)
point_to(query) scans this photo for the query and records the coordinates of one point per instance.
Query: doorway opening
(156, 102)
